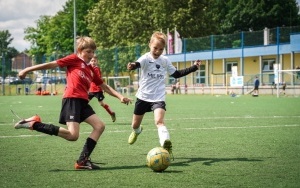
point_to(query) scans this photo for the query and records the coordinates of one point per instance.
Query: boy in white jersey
(151, 93)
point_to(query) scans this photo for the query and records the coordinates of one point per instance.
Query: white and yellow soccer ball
(158, 159)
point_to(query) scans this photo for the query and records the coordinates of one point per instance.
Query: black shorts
(256, 87)
(141, 107)
(75, 110)
(99, 95)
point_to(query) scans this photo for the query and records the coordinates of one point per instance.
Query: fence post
(116, 70)
(3, 67)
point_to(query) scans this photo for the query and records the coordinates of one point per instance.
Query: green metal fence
(113, 61)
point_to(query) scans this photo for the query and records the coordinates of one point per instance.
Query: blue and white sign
(237, 81)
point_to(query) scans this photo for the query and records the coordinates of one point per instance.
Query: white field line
(248, 127)
(21, 136)
(200, 128)
(236, 117)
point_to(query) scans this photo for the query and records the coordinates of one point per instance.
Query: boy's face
(93, 61)
(86, 54)
(156, 48)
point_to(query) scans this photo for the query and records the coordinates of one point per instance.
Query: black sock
(46, 128)
(87, 149)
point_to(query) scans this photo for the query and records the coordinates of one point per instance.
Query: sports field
(218, 141)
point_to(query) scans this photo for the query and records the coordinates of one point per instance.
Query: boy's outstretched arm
(114, 93)
(22, 74)
(184, 72)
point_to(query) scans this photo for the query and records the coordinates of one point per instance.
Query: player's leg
(70, 134)
(34, 123)
(100, 97)
(141, 107)
(136, 128)
(159, 110)
(108, 110)
(163, 132)
(74, 111)
(84, 161)
(98, 126)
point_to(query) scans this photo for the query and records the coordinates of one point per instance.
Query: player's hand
(22, 74)
(198, 63)
(126, 100)
(131, 66)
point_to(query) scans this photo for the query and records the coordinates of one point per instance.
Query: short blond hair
(159, 36)
(84, 43)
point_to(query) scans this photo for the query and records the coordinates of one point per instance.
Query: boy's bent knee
(72, 137)
(99, 128)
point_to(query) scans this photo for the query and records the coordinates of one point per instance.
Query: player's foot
(86, 165)
(113, 117)
(133, 136)
(27, 123)
(168, 146)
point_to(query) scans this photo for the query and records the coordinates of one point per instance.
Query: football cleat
(168, 146)
(113, 116)
(86, 165)
(133, 136)
(27, 123)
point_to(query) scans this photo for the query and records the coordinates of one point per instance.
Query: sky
(16, 15)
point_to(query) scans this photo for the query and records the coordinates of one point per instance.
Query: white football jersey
(153, 74)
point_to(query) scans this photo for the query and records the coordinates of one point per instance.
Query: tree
(55, 34)
(38, 38)
(244, 15)
(6, 52)
(125, 24)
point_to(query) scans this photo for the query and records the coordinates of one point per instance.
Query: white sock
(163, 134)
(138, 130)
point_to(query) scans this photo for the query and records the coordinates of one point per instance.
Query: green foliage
(243, 15)
(198, 44)
(38, 37)
(120, 24)
(114, 61)
(126, 23)
(55, 34)
(6, 52)
(5, 41)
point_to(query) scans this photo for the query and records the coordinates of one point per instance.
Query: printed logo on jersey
(82, 65)
(157, 66)
(83, 76)
(156, 76)
(151, 62)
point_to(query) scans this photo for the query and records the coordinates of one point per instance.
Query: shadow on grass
(183, 162)
(210, 161)
(101, 168)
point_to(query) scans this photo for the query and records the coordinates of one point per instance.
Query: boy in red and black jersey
(75, 103)
(97, 92)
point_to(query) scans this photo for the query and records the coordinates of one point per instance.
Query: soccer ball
(158, 159)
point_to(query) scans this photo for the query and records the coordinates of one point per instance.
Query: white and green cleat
(168, 146)
(133, 136)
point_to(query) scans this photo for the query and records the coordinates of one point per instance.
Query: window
(200, 75)
(229, 66)
(268, 65)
